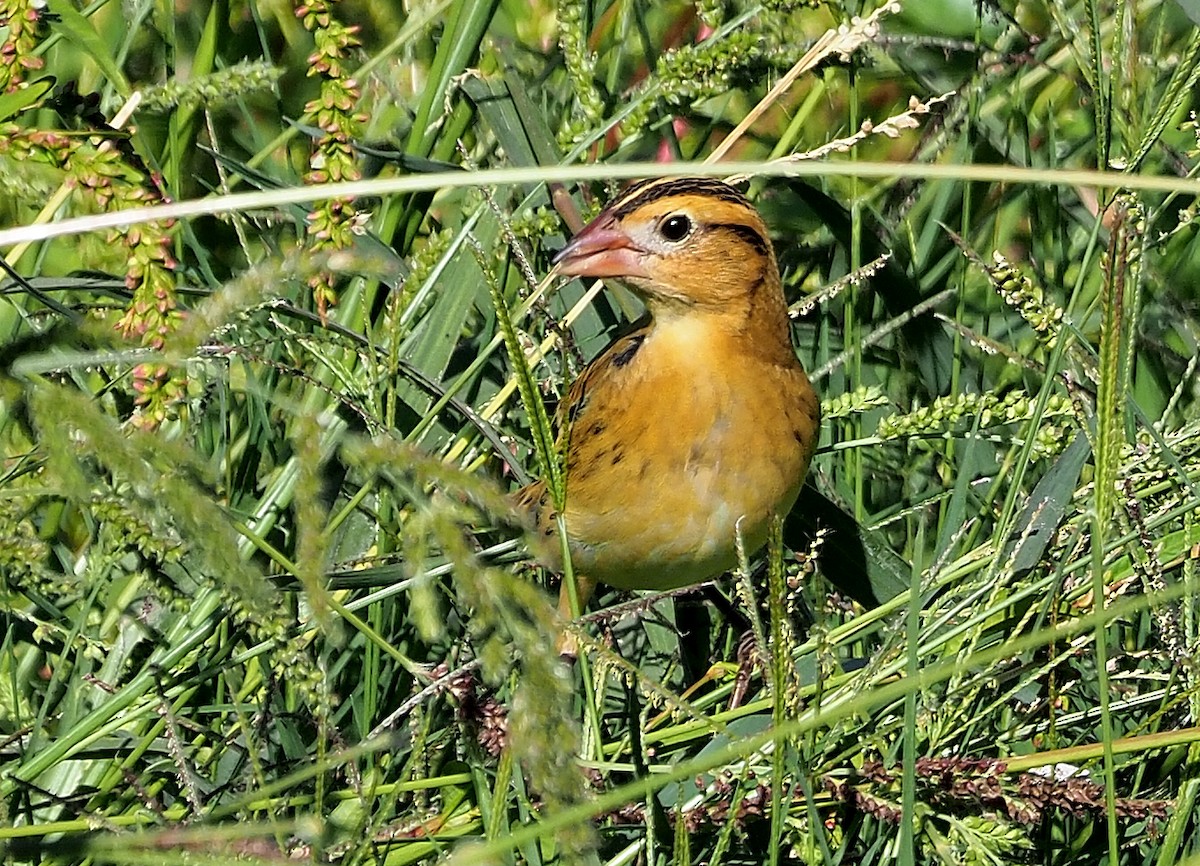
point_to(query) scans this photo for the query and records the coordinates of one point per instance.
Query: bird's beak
(601, 249)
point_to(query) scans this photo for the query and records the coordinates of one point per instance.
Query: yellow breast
(687, 443)
(698, 428)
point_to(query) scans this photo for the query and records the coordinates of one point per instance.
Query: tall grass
(272, 359)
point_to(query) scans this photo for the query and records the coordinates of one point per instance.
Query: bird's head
(681, 243)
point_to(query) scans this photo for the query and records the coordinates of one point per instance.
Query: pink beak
(601, 250)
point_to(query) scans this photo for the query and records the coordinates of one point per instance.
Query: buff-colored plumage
(698, 420)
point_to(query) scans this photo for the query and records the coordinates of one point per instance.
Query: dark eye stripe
(648, 191)
(746, 233)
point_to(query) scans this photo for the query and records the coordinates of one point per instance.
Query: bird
(696, 427)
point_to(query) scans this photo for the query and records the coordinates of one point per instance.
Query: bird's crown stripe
(647, 191)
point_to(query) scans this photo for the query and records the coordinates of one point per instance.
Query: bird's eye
(675, 228)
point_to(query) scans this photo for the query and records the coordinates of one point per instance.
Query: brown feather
(700, 424)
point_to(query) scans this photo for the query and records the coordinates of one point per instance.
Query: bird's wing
(607, 366)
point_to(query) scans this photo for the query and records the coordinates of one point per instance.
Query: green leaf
(465, 31)
(30, 96)
(1046, 506)
(860, 562)
(1191, 8)
(78, 30)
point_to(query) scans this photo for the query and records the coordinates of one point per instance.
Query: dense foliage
(262, 593)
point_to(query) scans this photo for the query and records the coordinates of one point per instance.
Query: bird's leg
(584, 587)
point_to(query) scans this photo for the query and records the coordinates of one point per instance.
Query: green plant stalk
(967, 569)
(59, 678)
(860, 702)
(1053, 372)
(1185, 800)
(682, 853)
(375, 638)
(1110, 433)
(855, 464)
(1091, 751)
(466, 27)
(1135, 227)
(1181, 816)
(497, 822)
(908, 781)
(952, 507)
(1101, 89)
(1177, 94)
(111, 715)
(551, 468)
(788, 141)
(421, 17)
(779, 653)
(872, 620)
(181, 123)
(383, 186)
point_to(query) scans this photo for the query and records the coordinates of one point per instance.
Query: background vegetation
(257, 576)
